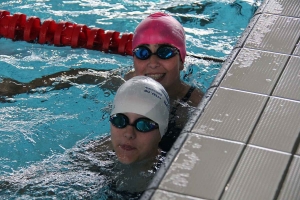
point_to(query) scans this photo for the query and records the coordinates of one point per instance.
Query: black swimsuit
(173, 132)
(183, 100)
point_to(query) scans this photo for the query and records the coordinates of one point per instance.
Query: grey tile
(283, 7)
(291, 185)
(202, 167)
(274, 33)
(230, 115)
(279, 125)
(255, 71)
(164, 195)
(241, 41)
(297, 50)
(289, 83)
(257, 175)
(225, 67)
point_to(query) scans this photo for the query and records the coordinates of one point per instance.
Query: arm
(195, 98)
(110, 80)
(129, 75)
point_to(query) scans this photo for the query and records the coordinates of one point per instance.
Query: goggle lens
(163, 52)
(141, 124)
(142, 53)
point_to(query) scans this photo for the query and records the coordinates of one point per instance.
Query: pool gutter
(243, 140)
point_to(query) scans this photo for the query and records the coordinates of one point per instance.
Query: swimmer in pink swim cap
(159, 52)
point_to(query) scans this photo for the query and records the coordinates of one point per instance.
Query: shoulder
(129, 75)
(191, 95)
(196, 97)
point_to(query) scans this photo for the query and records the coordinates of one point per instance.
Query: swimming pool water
(37, 126)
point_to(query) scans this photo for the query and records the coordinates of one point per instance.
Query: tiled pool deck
(243, 142)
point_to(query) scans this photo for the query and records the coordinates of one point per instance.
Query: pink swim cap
(160, 28)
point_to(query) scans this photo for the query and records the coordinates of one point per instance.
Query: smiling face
(131, 145)
(166, 72)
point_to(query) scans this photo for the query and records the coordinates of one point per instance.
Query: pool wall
(243, 142)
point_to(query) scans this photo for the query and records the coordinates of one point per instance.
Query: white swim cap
(144, 96)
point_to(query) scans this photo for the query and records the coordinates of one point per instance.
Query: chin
(125, 160)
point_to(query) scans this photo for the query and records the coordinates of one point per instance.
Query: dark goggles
(163, 52)
(120, 120)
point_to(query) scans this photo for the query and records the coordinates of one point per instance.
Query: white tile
(230, 115)
(291, 185)
(274, 33)
(257, 175)
(255, 71)
(289, 83)
(279, 125)
(164, 195)
(202, 167)
(283, 7)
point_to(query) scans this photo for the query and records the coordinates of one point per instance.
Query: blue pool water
(40, 126)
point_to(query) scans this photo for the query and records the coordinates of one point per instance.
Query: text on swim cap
(157, 95)
(153, 93)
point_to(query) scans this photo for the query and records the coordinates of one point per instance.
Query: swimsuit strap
(173, 132)
(184, 99)
(188, 94)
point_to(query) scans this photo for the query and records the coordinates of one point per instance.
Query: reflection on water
(80, 172)
(38, 131)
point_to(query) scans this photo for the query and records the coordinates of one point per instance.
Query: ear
(181, 66)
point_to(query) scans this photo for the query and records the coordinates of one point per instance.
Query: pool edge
(155, 185)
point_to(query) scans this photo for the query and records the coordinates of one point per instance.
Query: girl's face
(131, 145)
(166, 72)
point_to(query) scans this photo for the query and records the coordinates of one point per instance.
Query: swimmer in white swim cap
(139, 119)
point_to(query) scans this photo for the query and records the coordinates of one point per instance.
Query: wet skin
(131, 146)
(166, 72)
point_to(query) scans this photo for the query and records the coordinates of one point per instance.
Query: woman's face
(166, 72)
(131, 145)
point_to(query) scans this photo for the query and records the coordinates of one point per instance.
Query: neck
(138, 166)
(177, 91)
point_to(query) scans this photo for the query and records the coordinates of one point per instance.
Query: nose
(153, 61)
(130, 132)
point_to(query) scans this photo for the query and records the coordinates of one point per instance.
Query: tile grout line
(285, 173)
(283, 69)
(285, 66)
(281, 15)
(244, 148)
(296, 144)
(273, 52)
(256, 93)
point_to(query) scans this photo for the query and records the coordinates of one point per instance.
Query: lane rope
(16, 27)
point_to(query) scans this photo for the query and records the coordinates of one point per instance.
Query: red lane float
(16, 27)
